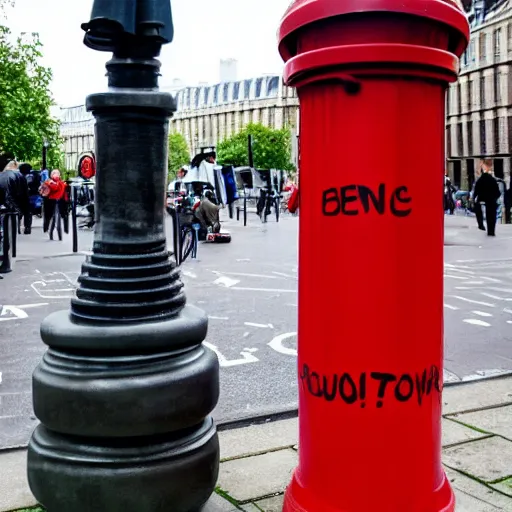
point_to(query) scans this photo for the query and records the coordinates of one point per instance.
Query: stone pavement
(258, 460)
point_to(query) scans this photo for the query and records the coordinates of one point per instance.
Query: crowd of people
(26, 192)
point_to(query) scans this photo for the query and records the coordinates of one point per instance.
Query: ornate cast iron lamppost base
(125, 391)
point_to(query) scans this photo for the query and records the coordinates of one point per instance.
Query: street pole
(45, 153)
(371, 76)
(125, 391)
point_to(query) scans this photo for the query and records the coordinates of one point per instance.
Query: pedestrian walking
(56, 205)
(487, 192)
(26, 215)
(15, 189)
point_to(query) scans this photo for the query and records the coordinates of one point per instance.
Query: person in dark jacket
(15, 189)
(487, 192)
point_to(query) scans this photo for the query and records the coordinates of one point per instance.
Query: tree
(25, 100)
(271, 148)
(178, 154)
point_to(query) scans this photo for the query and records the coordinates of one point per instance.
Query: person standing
(54, 191)
(487, 192)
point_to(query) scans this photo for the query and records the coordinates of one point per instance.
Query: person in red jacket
(55, 205)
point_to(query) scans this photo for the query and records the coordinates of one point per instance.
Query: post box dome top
(305, 12)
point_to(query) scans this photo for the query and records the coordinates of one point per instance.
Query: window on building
(509, 37)
(459, 98)
(496, 134)
(472, 52)
(470, 94)
(497, 86)
(460, 140)
(448, 137)
(497, 44)
(483, 47)
(483, 138)
(482, 92)
(470, 138)
(448, 98)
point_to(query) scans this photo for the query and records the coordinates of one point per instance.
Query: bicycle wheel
(187, 242)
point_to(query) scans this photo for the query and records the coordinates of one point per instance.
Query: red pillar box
(372, 78)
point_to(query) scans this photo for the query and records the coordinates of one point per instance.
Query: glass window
(497, 43)
(483, 138)
(470, 94)
(482, 92)
(483, 47)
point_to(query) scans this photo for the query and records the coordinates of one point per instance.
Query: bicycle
(266, 202)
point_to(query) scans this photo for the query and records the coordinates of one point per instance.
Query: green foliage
(178, 154)
(271, 148)
(25, 100)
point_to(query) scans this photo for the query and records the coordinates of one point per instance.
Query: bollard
(125, 391)
(371, 77)
(74, 221)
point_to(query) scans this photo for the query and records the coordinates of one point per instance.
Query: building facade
(205, 115)
(208, 115)
(479, 105)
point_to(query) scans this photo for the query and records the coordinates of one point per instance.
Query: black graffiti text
(350, 389)
(356, 199)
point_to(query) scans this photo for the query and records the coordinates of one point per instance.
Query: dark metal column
(125, 391)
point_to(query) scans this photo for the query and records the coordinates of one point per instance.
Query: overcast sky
(205, 32)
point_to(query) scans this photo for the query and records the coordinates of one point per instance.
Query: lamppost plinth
(125, 391)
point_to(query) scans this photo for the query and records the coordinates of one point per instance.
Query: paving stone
(505, 487)
(274, 504)
(466, 503)
(476, 395)
(464, 487)
(454, 433)
(258, 438)
(218, 504)
(255, 477)
(485, 459)
(14, 490)
(497, 420)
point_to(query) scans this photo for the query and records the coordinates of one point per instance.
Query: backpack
(293, 202)
(44, 190)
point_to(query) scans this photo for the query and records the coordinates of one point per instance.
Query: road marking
(475, 282)
(481, 313)
(189, 274)
(487, 304)
(244, 274)
(506, 310)
(0, 377)
(261, 326)
(496, 297)
(243, 259)
(28, 306)
(18, 313)
(247, 357)
(455, 269)
(473, 321)
(276, 290)
(492, 279)
(448, 306)
(226, 282)
(218, 318)
(277, 344)
(282, 274)
(455, 277)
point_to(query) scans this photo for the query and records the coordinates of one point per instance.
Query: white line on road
(282, 274)
(276, 290)
(189, 274)
(28, 306)
(277, 344)
(448, 306)
(496, 297)
(218, 318)
(474, 282)
(226, 281)
(487, 304)
(261, 326)
(506, 310)
(244, 274)
(481, 313)
(473, 321)
(455, 277)
(492, 279)
(455, 269)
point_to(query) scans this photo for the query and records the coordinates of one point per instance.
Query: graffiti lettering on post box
(351, 390)
(358, 199)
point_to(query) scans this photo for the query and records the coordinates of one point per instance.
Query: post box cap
(305, 12)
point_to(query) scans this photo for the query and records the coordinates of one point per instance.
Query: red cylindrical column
(371, 77)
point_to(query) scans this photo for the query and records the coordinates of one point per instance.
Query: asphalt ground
(249, 290)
